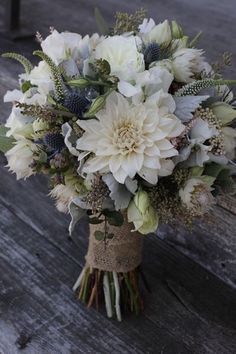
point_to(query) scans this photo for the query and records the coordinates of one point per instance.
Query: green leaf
(26, 86)
(208, 179)
(99, 235)
(76, 213)
(101, 22)
(114, 218)
(196, 171)
(226, 182)
(95, 221)
(6, 143)
(42, 157)
(213, 169)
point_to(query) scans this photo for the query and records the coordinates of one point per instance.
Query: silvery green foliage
(70, 139)
(186, 105)
(77, 209)
(120, 193)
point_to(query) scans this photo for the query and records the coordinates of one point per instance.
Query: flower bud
(97, 104)
(81, 82)
(224, 112)
(177, 31)
(142, 214)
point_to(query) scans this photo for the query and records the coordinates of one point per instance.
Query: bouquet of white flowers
(134, 129)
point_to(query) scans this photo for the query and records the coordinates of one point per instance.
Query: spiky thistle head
(76, 102)
(151, 53)
(54, 141)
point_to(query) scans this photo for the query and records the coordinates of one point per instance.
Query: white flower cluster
(139, 132)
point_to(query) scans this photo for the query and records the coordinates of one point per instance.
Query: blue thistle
(54, 141)
(151, 53)
(76, 102)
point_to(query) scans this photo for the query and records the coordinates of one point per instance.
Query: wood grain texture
(190, 310)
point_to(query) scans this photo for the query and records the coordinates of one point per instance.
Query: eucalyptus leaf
(95, 221)
(213, 169)
(120, 193)
(6, 143)
(101, 22)
(76, 213)
(226, 182)
(99, 235)
(114, 218)
(196, 171)
(26, 86)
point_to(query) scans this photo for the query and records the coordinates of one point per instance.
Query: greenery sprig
(196, 86)
(21, 59)
(56, 74)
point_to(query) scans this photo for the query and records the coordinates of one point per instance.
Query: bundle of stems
(119, 291)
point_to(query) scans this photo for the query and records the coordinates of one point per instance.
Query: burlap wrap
(122, 253)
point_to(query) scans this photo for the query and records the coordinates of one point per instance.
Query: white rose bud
(159, 34)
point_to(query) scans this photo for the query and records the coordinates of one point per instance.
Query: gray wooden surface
(192, 307)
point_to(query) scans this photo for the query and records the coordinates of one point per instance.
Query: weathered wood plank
(35, 292)
(212, 244)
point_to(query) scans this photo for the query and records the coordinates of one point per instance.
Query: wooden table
(192, 307)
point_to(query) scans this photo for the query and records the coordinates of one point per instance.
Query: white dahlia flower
(20, 157)
(188, 62)
(122, 55)
(127, 140)
(150, 32)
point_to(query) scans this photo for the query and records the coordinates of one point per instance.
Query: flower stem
(79, 280)
(107, 295)
(117, 292)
